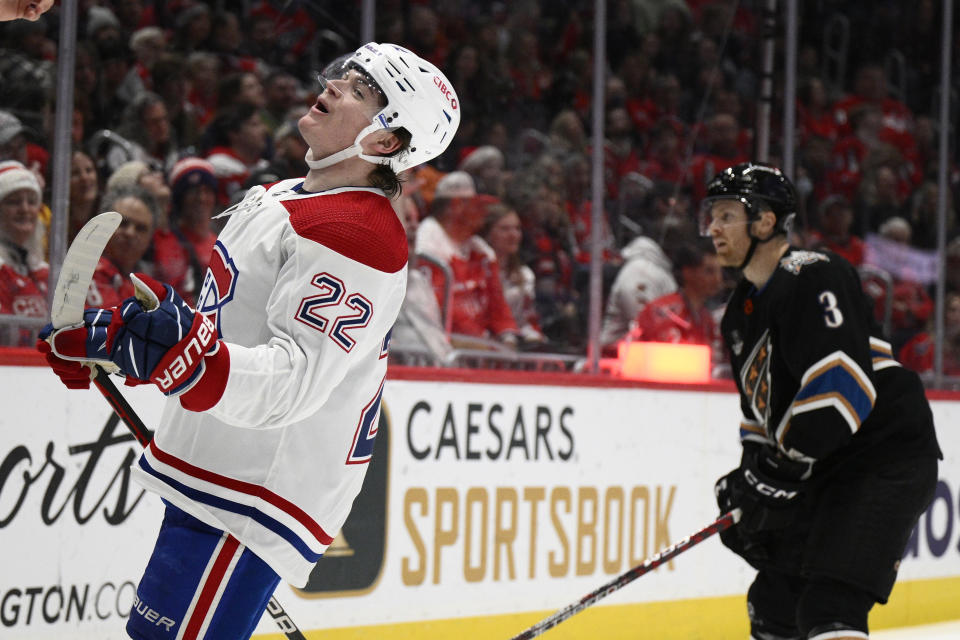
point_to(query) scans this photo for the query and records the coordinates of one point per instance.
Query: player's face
(342, 110)
(728, 230)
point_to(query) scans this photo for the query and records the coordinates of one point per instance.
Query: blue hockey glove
(152, 337)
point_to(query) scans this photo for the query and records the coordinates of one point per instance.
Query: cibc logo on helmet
(445, 90)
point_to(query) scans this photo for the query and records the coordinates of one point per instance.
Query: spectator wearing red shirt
(667, 96)
(427, 34)
(833, 232)
(664, 160)
(814, 115)
(867, 145)
(684, 315)
(870, 88)
(637, 76)
(448, 237)
(182, 252)
(239, 138)
(620, 149)
(918, 353)
(547, 248)
(579, 210)
(23, 272)
(722, 136)
(124, 252)
(279, 33)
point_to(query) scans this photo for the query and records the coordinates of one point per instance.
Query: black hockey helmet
(760, 187)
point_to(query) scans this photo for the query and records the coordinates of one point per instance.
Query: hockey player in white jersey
(276, 381)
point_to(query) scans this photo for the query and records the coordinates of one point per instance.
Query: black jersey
(815, 376)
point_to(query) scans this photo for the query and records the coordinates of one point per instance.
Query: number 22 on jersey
(314, 310)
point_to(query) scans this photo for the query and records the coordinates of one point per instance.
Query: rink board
(487, 507)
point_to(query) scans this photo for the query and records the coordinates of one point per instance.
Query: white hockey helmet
(419, 98)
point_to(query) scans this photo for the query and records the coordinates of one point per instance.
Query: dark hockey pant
(842, 554)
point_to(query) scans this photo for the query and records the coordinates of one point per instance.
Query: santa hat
(188, 173)
(14, 176)
(10, 125)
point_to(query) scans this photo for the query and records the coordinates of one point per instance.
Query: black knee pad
(771, 605)
(829, 605)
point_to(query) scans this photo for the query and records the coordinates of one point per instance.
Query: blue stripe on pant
(175, 578)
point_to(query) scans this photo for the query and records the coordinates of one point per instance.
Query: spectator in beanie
(182, 253)
(23, 272)
(13, 141)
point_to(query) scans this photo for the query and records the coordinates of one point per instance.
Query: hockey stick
(723, 522)
(67, 309)
(68, 303)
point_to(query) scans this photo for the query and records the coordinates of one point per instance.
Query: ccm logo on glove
(767, 490)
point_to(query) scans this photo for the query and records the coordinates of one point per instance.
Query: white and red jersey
(303, 289)
(23, 292)
(478, 305)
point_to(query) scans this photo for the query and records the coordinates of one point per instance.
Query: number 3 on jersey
(831, 314)
(332, 294)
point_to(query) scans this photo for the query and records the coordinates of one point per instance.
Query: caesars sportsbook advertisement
(486, 507)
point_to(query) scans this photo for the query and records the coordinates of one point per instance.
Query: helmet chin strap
(753, 247)
(333, 158)
(754, 242)
(353, 150)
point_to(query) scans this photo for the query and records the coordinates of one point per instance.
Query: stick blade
(79, 264)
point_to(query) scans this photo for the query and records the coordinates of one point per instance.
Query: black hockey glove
(766, 487)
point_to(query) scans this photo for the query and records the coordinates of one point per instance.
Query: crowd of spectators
(180, 106)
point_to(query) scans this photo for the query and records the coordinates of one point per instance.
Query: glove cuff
(180, 368)
(209, 388)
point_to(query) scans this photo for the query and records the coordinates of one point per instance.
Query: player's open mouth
(319, 107)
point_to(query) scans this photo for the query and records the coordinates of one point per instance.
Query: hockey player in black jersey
(839, 449)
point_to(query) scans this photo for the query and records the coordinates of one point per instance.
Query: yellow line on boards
(723, 618)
